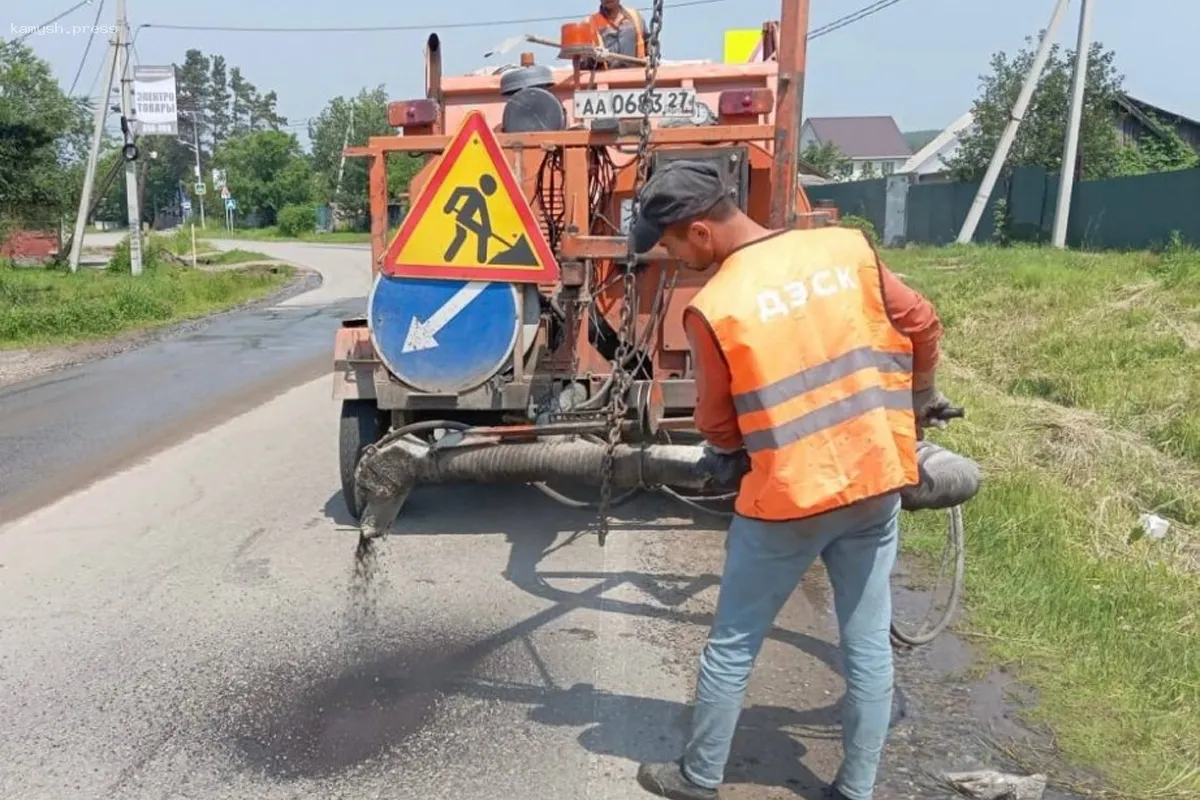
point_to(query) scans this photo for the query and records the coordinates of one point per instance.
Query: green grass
(1080, 373)
(52, 306)
(235, 256)
(180, 243)
(271, 234)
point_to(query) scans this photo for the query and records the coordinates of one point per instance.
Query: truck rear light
(744, 102)
(412, 113)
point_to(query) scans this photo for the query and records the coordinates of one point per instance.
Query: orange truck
(509, 335)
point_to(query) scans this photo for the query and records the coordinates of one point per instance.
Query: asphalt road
(193, 625)
(182, 616)
(69, 427)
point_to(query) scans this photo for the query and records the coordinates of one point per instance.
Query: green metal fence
(1132, 213)
(860, 198)
(1136, 213)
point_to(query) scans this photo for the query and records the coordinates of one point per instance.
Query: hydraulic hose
(388, 472)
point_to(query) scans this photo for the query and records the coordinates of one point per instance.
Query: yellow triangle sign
(471, 220)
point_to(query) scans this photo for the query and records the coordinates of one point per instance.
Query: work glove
(930, 407)
(723, 468)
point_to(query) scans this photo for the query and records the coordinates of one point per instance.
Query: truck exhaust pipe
(389, 472)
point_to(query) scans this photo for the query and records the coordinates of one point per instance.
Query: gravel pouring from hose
(387, 474)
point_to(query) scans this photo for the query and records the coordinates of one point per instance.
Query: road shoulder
(952, 712)
(25, 364)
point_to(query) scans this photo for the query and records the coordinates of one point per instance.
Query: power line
(841, 22)
(849, 19)
(421, 27)
(87, 48)
(48, 23)
(95, 80)
(837, 24)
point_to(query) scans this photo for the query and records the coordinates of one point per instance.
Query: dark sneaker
(667, 780)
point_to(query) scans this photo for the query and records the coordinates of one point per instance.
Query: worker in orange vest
(619, 30)
(814, 367)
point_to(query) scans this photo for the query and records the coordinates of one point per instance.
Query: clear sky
(918, 60)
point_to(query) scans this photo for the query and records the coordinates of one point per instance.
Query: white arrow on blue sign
(440, 336)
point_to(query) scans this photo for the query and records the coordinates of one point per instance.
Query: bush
(181, 240)
(863, 224)
(152, 247)
(297, 220)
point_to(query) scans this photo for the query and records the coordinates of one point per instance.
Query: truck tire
(362, 424)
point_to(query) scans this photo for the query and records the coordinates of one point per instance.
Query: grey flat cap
(679, 191)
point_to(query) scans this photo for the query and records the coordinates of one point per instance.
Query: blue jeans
(764, 562)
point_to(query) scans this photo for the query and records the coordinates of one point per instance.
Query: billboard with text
(154, 100)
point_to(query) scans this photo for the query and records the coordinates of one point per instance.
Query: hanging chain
(628, 328)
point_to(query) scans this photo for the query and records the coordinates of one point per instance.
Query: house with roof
(874, 145)
(1134, 120)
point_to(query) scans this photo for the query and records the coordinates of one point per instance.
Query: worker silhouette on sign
(469, 207)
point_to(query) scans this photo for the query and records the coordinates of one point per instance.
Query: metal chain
(628, 328)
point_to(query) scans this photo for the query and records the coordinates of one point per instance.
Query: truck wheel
(362, 424)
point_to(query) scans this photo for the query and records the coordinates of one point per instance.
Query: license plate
(611, 103)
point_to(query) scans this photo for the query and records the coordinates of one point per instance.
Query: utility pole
(199, 171)
(1010, 131)
(127, 112)
(789, 112)
(342, 166)
(89, 176)
(1066, 176)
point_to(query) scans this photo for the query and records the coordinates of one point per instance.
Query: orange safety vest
(821, 378)
(599, 23)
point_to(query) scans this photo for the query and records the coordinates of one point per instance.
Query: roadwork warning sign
(471, 220)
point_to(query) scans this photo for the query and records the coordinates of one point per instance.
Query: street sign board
(471, 220)
(154, 99)
(441, 336)
(224, 192)
(200, 188)
(230, 204)
(186, 205)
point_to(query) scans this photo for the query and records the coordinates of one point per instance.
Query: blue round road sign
(440, 336)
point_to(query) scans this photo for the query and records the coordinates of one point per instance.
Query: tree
(1039, 140)
(194, 91)
(828, 158)
(262, 113)
(216, 103)
(265, 171)
(240, 110)
(41, 130)
(219, 102)
(328, 133)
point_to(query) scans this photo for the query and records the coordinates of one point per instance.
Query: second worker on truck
(619, 30)
(814, 364)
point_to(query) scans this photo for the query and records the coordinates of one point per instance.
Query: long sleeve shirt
(715, 417)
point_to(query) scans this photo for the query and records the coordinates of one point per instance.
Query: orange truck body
(754, 121)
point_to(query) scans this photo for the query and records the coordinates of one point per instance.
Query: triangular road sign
(471, 220)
